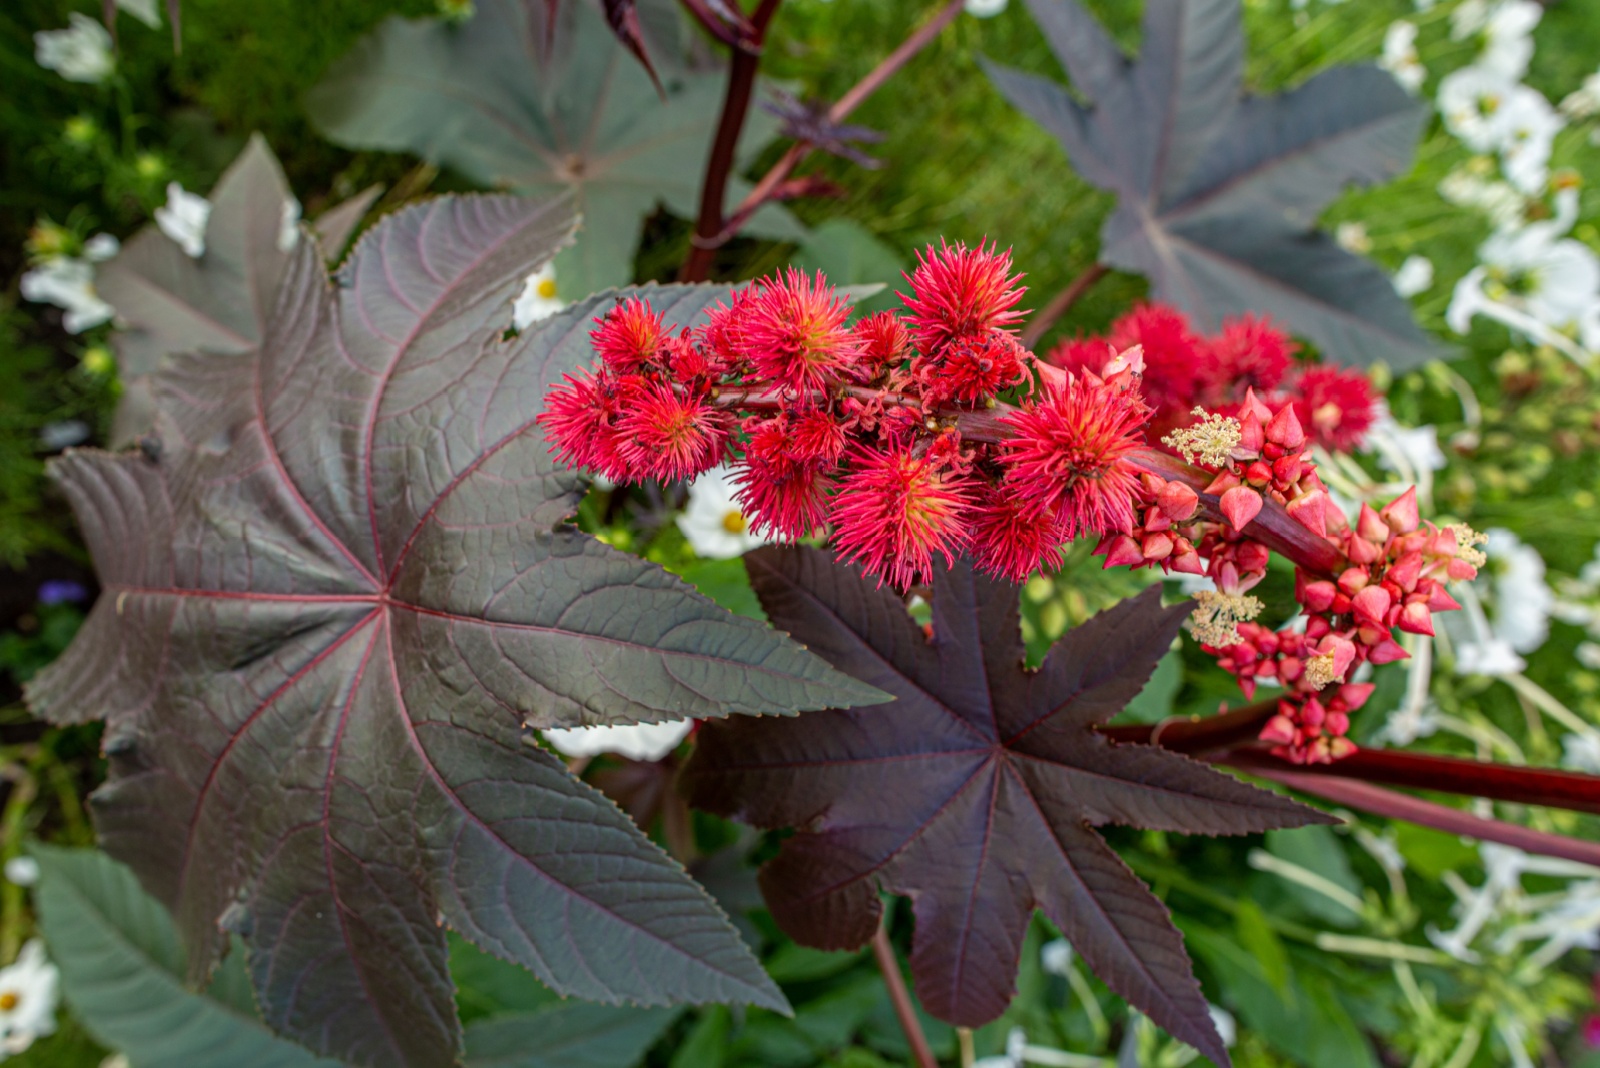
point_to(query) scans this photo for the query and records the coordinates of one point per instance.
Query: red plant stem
(1202, 734)
(919, 39)
(1046, 317)
(735, 106)
(1473, 778)
(1381, 802)
(900, 997)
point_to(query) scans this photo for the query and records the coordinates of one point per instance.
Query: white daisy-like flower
(183, 218)
(1400, 55)
(1507, 36)
(101, 247)
(1522, 599)
(1227, 1027)
(1055, 957)
(538, 299)
(1492, 196)
(637, 741)
(1353, 237)
(1490, 656)
(23, 871)
(79, 53)
(1414, 276)
(713, 522)
(1536, 282)
(1017, 1048)
(1584, 101)
(1527, 127)
(1469, 99)
(1588, 655)
(68, 283)
(985, 9)
(289, 225)
(1580, 751)
(29, 991)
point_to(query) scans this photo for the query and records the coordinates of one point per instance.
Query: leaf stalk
(904, 1009)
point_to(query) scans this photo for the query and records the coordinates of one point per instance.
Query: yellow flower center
(547, 288)
(733, 522)
(9, 1000)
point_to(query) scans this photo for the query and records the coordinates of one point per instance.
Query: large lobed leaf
(336, 586)
(974, 793)
(1218, 192)
(169, 303)
(512, 102)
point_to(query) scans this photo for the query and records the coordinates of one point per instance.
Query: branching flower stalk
(935, 433)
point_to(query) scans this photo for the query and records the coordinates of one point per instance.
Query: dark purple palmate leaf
(974, 793)
(336, 586)
(1218, 192)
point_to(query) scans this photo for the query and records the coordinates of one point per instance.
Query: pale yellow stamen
(1211, 441)
(547, 288)
(1319, 671)
(733, 523)
(1216, 617)
(1467, 542)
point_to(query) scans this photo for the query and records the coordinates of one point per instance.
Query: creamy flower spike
(80, 53)
(28, 998)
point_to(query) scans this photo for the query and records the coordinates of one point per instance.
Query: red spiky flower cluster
(923, 435)
(1185, 370)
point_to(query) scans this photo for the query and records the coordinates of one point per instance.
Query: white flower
(1583, 102)
(28, 995)
(1016, 1054)
(1414, 276)
(1581, 752)
(1352, 237)
(23, 871)
(1469, 99)
(1490, 656)
(101, 247)
(985, 9)
(184, 219)
(1400, 55)
(1527, 126)
(1495, 198)
(289, 225)
(1508, 37)
(538, 298)
(143, 10)
(1410, 722)
(68, 283)
(1536, 282)
(1055, 957)
(1588, 654)
(1227, 1027)
(80, 53)
(1415, 447)
(713, 523)
(638, 741)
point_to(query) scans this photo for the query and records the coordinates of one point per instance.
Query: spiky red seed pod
(1248, 353)
(1172, 362)
(1009, 542)
(815, 437)
(723, 332)
(577, 422)
(1069, 455)
(1080, 354)
(628, 336)
(969, 369)
(882, 344)
(958, 291)
(782, 496)
(670, 436)
(793, 332)
(895, 512)
(1336, 406)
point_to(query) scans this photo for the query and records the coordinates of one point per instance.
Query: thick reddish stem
(1201, 734)
(735, 106)
(1473, 778)
(1381, 802)
(891, 64)
(1045, 317)
(1273, 527)
(900, 997)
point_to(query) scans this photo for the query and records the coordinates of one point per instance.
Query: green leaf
(581, 116)
(567, 1035)
(121, 970)
(707, 1044)
(725, 582)
(1154, 702)
(794, 963)
(1320, 851)
(1257, 938)
(1431, 853)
